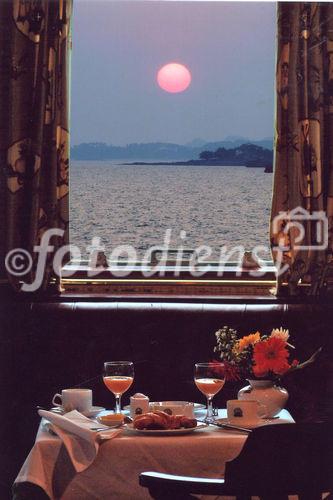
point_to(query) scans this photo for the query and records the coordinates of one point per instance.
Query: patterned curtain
(302, 208)
(34, 141)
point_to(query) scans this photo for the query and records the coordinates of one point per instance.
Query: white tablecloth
(114, 473)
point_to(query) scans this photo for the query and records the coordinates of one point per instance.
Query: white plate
(94, 410)
(244, 423)
(165, 432)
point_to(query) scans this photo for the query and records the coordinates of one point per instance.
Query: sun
(174, 77)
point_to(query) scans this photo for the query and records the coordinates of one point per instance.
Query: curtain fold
(302, 206)
(35, 45)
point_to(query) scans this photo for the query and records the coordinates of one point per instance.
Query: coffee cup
(245, 411)
(74, 399)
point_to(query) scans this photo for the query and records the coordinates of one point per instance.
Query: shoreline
(203, 163)
(198, 163)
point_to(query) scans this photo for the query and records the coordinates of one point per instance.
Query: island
(248, 155)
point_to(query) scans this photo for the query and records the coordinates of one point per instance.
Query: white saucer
(247, 424)
(94, 410)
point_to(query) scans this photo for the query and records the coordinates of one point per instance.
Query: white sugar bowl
(139, 404)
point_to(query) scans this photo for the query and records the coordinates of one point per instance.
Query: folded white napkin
(74, 429)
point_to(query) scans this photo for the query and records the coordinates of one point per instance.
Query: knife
(227, 426)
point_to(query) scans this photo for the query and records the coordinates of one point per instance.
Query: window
(122, 114)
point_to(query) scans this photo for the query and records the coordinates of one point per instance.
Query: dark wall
(49, 346)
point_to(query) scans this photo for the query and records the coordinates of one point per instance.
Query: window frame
(234, 281)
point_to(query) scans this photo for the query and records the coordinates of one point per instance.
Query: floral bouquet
(257, 356)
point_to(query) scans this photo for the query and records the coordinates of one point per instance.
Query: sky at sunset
(118, 48)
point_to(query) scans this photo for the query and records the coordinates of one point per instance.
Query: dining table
(114, 472)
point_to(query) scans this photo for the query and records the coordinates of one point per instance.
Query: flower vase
(267, 393)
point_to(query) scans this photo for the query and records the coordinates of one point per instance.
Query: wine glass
(209, 379)
(118, 377)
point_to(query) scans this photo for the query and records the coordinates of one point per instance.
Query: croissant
(188, 423)
(150, 421)
(165, 416)
(159, 420)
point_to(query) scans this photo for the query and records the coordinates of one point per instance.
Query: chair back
(285, 459)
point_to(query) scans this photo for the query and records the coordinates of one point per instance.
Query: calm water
(135, 205)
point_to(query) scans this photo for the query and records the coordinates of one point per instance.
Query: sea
(140, 205)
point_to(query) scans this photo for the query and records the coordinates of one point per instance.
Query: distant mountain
(231, 144)
(196, 143)
(144, 151)
(156, 150)
(236, 138)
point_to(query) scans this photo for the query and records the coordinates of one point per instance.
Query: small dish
(116, 422)
(165, 432)
(174, 407)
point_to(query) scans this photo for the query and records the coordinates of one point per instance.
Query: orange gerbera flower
(244, 342)
(270, 355)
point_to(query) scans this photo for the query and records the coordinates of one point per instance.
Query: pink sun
(174, 78)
